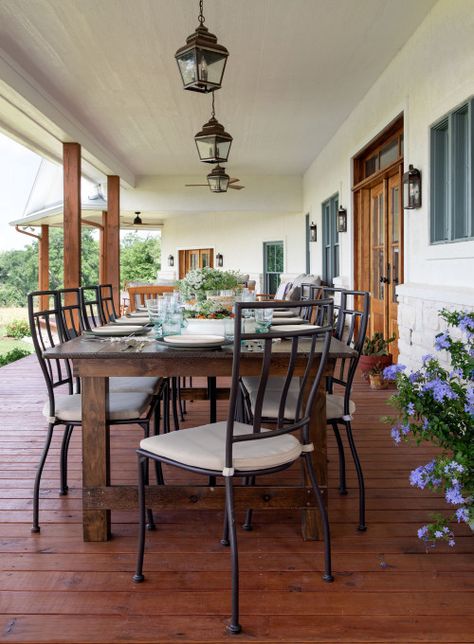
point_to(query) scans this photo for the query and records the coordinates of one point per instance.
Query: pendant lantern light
(213, 142)
(201, 61)
(218, 180)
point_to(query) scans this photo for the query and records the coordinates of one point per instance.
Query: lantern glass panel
(210, 66)
(211, 149)
(218, 183)
(187, 66)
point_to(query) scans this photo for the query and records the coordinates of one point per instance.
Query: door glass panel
(205, 260)
(380, 286)
(389, 154)
(395, 271)
(381, 226)
(395, 206)
(193, 261)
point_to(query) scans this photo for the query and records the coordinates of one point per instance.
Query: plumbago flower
(437, 405)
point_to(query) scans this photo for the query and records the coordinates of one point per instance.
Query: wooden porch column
(43, 264)
(102, 249)
(112, 238)
(72, 214)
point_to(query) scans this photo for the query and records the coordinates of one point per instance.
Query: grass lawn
(7, 315)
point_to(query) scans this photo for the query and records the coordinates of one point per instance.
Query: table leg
(95, 454)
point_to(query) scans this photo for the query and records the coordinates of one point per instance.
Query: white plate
(284, 314)
(132, 321)
(292, 327)
(195, 340)
(115, 330)
(288, 320)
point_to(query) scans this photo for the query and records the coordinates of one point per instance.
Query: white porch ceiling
(296, 70)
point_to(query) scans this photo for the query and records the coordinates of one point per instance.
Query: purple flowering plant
(436, 404)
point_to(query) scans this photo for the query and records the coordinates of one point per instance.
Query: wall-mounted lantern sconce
(170, 260)
(220, 260)
(412, 188)
(313, 232)
(342, 220)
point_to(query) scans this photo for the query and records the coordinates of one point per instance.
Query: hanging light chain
(213, 110)
(201, 16)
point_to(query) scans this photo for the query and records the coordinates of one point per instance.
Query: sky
(18, 168)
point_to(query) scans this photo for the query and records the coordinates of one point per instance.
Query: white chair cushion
(138, 384)
(334, 403)
(122, 406)
(335, 406)
(204, 447)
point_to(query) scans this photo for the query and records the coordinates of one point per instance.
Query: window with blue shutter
(330, 240)
(452, 185)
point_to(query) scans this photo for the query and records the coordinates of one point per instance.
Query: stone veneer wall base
(418, 319)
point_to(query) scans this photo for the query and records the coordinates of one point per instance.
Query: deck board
(56, 588)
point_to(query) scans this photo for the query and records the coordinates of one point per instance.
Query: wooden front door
(378, 227)
(379, 268)
(195, 258)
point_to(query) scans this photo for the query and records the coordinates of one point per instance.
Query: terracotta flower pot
(367, 363)
(377, 382)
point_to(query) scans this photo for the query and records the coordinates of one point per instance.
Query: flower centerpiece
(201, 288)
(436, 404)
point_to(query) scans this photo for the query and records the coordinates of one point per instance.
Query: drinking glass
(157, 311)
(172, 323)
(263, 319)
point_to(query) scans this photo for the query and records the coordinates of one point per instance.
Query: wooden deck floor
(55, 588)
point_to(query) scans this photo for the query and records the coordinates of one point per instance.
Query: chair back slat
(90, 305)
(287, 383)
(46, 332)
(107, 304)
(299, 359)
(70, 312)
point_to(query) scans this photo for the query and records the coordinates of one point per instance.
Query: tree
(140, 259)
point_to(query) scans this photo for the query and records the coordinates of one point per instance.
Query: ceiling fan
(139, 223)
(232, 182)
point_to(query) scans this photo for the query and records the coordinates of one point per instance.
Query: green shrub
(18, 329)
(13, 355)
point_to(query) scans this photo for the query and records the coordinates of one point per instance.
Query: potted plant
(376, 379)
(435, 404)
(207, 293)
(375, 352)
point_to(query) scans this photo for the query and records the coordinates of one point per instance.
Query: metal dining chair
(352, 315)
(64, 407)
(234, 449)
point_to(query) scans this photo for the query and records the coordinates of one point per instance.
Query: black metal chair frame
(91, 307)
(351, 328)
(107, 304)
(300, 424)
(45, 325)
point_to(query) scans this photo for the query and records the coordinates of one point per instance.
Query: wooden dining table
(94, 361)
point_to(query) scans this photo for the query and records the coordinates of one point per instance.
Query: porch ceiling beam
(54, 120)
